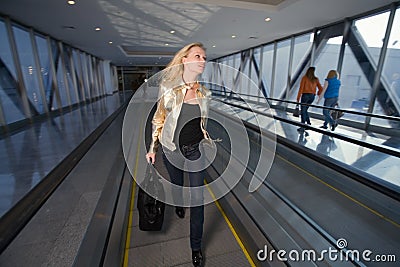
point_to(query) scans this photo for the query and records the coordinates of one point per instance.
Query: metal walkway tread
(171, 246)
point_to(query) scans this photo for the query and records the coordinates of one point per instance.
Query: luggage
(296, 111)
(151, 209)
(337, 114)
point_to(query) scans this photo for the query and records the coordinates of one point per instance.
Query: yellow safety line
(343, 194)
(132, 204)
(246, 253)
(130, 219)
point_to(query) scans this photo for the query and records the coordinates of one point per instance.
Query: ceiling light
(267, 19)
(71, 2)
(167, 44)
(172, 31)
(214, 46)
(110, 42)
(97, 29)
(233, 36)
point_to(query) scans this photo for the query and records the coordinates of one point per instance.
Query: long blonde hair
(174, 69)
(332, 74)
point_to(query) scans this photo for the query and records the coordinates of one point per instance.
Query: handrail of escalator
(379, 116)
(380, 148)
(351, 172)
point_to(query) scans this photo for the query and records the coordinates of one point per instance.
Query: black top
(188, 127)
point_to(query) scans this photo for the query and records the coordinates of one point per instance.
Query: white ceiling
(140, 29)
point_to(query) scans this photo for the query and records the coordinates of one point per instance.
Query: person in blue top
(331, 95)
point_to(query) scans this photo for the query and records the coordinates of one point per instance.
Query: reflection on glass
(61, 84)
(78, 71)
(10, 99)
(68, 69)
(5, 50)
(85, 75)
(44, 59)
(28, 68)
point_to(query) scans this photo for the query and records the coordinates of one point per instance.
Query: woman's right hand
(151, 157)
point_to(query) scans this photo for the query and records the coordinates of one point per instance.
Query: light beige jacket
(168, 109)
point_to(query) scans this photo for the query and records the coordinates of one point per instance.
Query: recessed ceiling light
(214, 46)
(71, 2)
(267, 19)
(97, 29)
(110, 42)
(172, 31)
(167, 44)
(233, 36)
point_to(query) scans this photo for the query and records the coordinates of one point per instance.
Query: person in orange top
(307, 91)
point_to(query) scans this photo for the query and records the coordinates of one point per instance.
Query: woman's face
(195, 61)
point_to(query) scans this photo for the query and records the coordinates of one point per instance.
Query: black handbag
(296, 112)
(151, 209)
(337, 114)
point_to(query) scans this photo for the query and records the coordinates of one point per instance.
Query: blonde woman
(331, 95)
(179, 126)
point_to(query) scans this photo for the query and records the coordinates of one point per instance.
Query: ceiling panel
(140, 30)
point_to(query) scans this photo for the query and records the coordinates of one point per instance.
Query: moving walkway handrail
(379, 116)
(383, 149)
(345, 169)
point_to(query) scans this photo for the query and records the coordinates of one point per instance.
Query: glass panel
(5, 50)
(68, 69)
(267, 61)
(355, 90)
(372, 30)
(236, 61)
(257, 60)
(228, 74)
(92, 86)
(9, 97)
(28, 68)
(328, 59)
(55, 52)
(236, 64)
(281, 68)
(85, 75)
(78, 73)
(244, 88)
(253, 88)
(61, 84)
(44, 59)
(391, 67)
(302, 46)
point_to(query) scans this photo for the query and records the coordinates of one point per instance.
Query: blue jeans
(191, 152)
(306, 99)
(330, 103)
